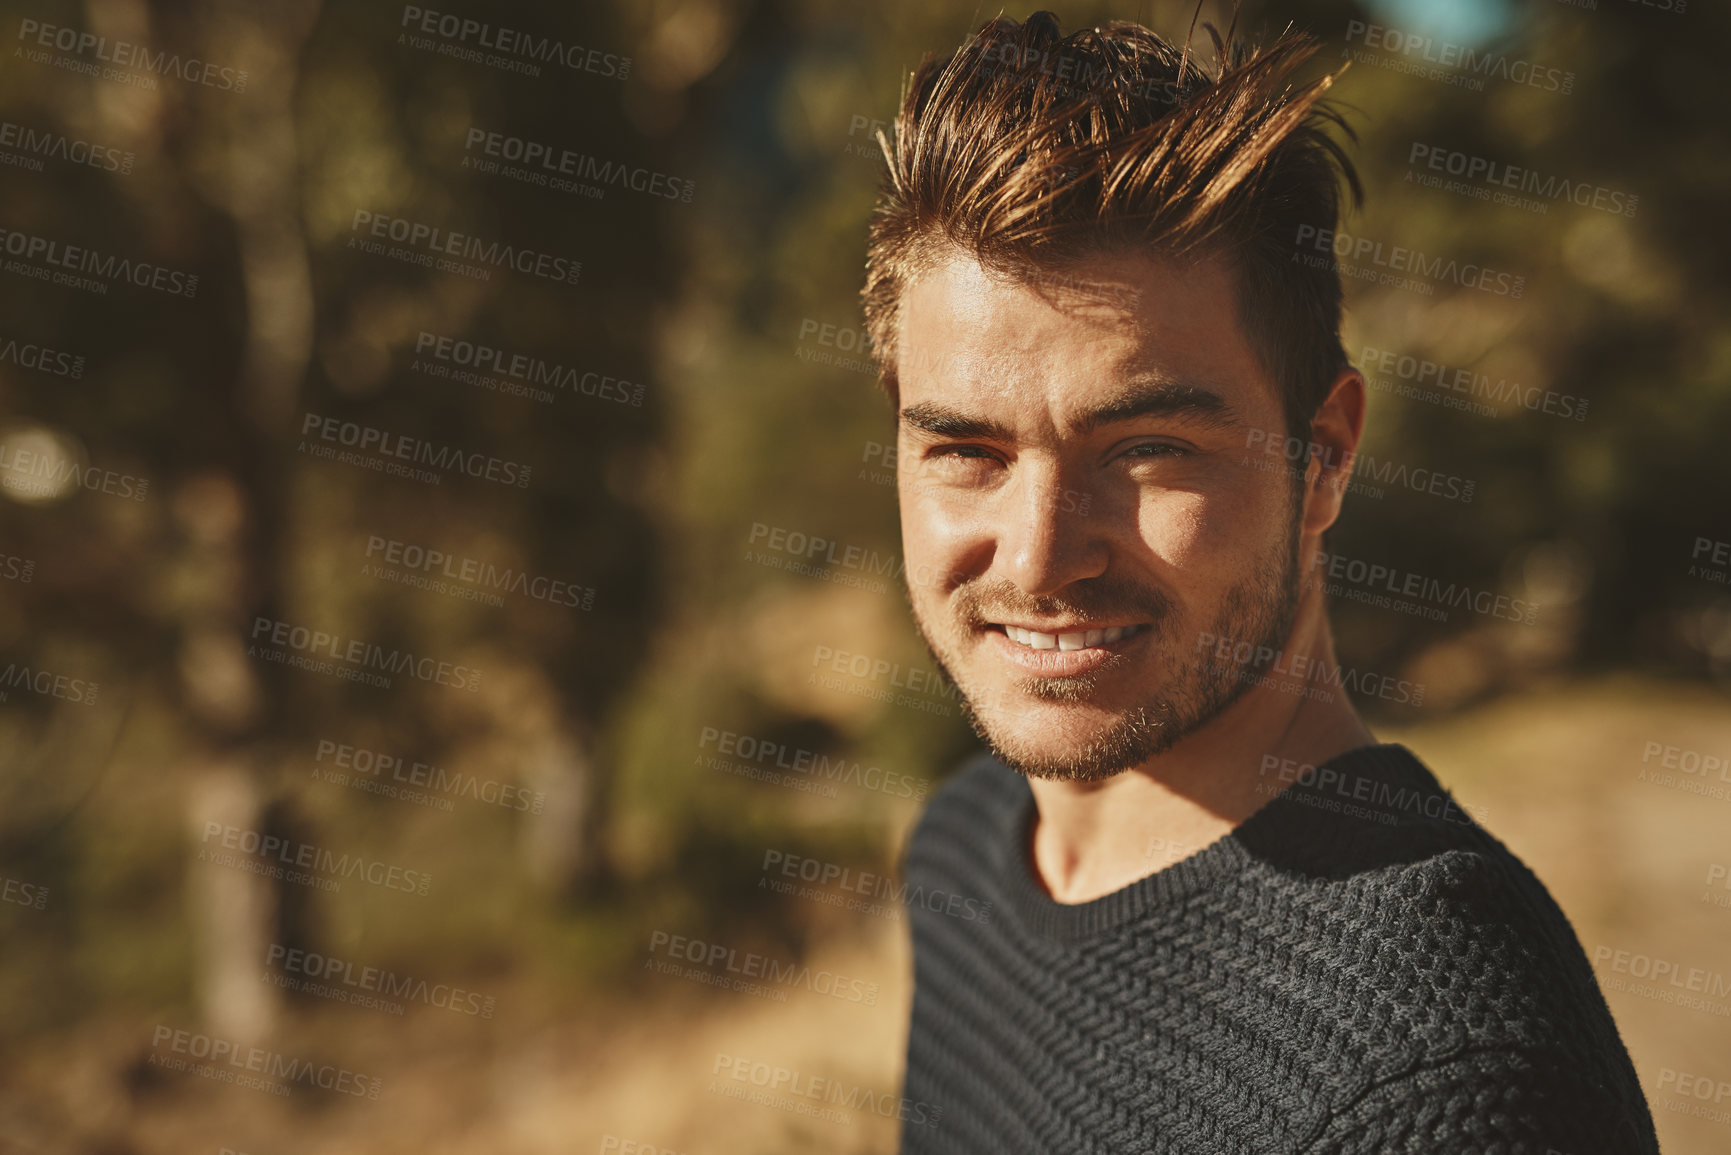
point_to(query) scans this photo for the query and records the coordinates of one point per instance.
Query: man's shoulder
(1424, 871)
(1452, 964)
(1433, 860)
(1467, 898)
(1378, 818)
(1453, 944)
(1468, 985)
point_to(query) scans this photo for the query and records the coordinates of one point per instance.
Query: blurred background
(443, 488)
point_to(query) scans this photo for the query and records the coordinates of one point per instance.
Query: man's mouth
(1053, 638)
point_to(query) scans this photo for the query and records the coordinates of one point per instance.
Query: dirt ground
(1638, 863)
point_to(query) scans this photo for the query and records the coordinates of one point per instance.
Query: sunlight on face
(1078, 517)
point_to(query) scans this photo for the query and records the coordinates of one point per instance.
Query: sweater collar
(1289, 822)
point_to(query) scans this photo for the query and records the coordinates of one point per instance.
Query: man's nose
(1044, 542)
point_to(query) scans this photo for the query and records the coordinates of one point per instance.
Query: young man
(1225, 918)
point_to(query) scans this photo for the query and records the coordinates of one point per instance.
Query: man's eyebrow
(1161, 399)
(942, 421)
(1146, 399)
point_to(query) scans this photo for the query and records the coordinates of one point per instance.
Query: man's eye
(1156, 449)
(971, 451)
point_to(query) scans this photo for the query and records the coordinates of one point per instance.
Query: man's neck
(1094, 838)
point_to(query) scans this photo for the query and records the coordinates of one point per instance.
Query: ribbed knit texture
(1312, 982)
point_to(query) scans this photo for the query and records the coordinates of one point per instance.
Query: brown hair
(1033, 152)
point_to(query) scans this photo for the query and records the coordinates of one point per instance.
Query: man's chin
(1046, 740)
(1056, 764)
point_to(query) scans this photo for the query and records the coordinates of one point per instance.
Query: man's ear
(1334, 434)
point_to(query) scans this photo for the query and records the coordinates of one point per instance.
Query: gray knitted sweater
(1357, 967)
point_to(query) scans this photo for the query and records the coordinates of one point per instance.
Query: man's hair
(1034, 152)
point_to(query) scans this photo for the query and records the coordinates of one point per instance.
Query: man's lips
(1066, 636)
(1054, 661)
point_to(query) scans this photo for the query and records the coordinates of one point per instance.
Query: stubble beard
(1260, 610)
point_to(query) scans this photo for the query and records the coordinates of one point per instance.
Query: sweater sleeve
(1495, 1102)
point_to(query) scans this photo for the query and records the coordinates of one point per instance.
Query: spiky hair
(1032, 152)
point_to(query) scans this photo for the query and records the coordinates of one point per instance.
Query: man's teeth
(1077, 641)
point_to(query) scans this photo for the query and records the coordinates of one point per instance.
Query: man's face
(1073, 470)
